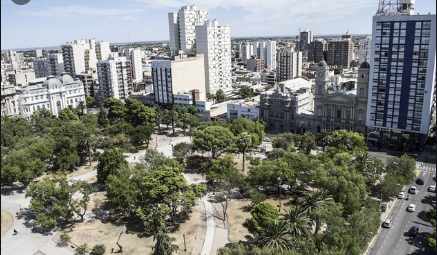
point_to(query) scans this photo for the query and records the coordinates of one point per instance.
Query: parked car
(413, 231)
(387, 223)
(431, 188)
(411, 208)
(413, 190)
(419, 181)
(402, 195)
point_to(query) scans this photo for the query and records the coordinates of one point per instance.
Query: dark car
(413, 231)
(419, 181)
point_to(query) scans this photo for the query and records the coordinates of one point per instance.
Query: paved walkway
(26, 242)
(13, 245)
(210, 227)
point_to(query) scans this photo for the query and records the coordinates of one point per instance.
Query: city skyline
(145, 20)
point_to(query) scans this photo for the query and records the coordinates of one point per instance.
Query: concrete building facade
(182, 28)
(53, 94)
(136, 58)
(181, 76)
(214, 42)
(289, 64)
(81, 56)
(336, 108)
(340, 52)
(403, 72)
(56, 64)
(288, 107)
(41, 67)
(317, 50)
(115, 78)
(255, 64)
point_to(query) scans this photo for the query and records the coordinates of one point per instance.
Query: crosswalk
(426, 168)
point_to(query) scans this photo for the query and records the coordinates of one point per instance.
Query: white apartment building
(82, 55)
(136, 58)
(182, 28)
(403, 71)
(264, 50)
(103, 51)
(269, 55)
(246, 51)
(74, 57)
(181, 76)
(214, 42)
(53, 94)
(38, 53)
(115, 78)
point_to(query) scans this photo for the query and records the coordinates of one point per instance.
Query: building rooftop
(291, 87)
(296, 84)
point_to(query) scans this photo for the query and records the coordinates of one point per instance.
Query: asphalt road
(395, 241)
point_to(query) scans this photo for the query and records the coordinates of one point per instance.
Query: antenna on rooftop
(396, 7)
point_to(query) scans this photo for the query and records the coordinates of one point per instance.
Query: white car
(431, 188)
(387, 223)
(411, 208)
(413, 190)
(401, 195)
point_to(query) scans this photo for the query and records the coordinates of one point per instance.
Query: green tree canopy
(214, 139)
(110, 162)
(246, 92)
(116, 109)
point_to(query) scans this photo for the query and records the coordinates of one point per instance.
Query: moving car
(419, 181)
(431, 188)
(387, 223)
(411, 208)
(413, 190)
(401, 195)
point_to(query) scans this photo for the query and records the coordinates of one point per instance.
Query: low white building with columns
(53, 94)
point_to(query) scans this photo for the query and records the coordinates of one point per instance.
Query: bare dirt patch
(94, 232)
(238, 214)
(84, 169)
(7, 220)
(194, 230)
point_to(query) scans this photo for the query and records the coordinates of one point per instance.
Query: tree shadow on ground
(29, 218)
(430, 200)
(425, 216)
(417, 240)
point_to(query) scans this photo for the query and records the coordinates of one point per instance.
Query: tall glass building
(402, 74)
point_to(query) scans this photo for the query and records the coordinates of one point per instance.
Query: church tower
(363, 80)
(322, 79)
(362, 95)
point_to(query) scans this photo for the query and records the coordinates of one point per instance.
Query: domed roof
(365, 65)
(53, 82)
(66, 78)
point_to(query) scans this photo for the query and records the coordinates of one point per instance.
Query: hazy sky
(53, 22)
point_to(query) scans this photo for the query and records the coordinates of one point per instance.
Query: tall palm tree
(275, 237)
(298, 222)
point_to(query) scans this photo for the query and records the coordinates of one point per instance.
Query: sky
(53, 22)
